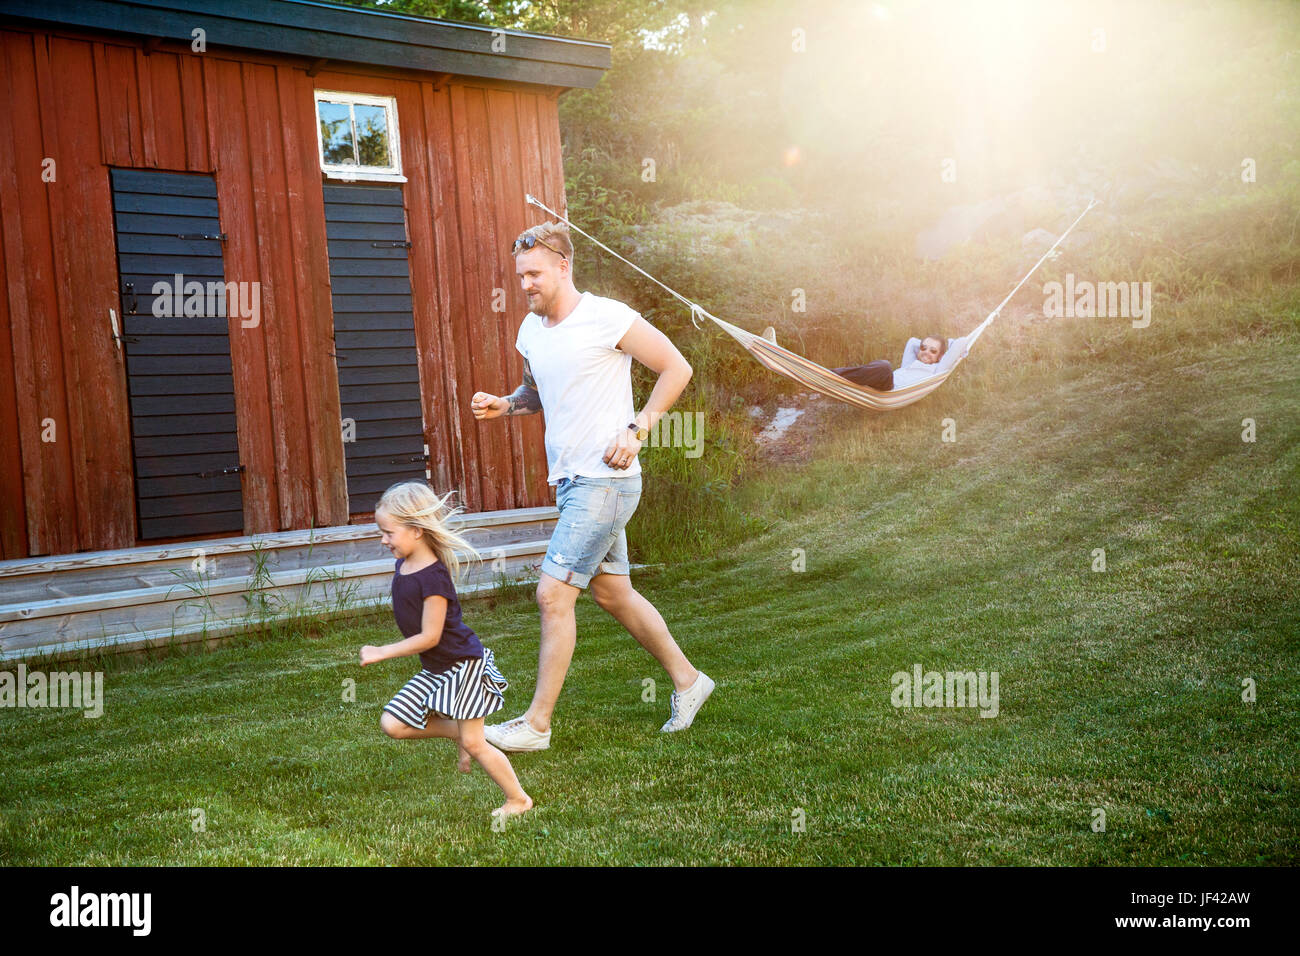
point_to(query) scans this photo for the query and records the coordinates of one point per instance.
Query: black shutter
(179, 378)
(374, 336)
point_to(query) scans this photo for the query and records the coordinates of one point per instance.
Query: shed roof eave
(340, 34)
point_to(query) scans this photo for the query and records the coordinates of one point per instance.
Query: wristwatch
(641, 433)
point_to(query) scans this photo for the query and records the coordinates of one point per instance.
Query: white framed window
(357, 136)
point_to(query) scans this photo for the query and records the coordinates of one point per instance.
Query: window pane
(336, 133)
(372, 135)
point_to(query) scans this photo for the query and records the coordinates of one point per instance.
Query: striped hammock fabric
(810, 374)
(823, 380)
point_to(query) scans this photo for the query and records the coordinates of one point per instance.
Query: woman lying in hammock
(921, 359)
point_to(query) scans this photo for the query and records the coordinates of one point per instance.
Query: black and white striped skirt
(470, 688)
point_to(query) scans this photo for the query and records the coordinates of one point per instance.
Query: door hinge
(233, 470)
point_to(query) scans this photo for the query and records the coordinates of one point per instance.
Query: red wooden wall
(470, 150)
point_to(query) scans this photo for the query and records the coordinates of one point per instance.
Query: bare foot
(466, 762)
(513, 808)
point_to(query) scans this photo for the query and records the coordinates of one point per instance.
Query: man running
(578, 350)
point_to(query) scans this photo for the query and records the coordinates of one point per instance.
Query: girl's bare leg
(497, 766)
(437, 727)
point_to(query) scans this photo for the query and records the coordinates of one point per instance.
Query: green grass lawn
(1119, 690)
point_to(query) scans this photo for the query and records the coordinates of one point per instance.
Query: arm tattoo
(525, 400)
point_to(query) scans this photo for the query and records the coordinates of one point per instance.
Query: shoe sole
(520, 750)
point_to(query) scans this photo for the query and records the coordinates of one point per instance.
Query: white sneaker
(688, 703)
(516, 736)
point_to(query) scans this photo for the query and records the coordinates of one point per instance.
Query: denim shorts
(589, 538)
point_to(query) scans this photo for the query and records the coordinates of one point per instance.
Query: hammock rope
(810, 374)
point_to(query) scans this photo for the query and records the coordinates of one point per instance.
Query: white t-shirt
(585, 384)
(912, 370)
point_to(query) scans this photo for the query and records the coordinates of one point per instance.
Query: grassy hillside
(1119, 690)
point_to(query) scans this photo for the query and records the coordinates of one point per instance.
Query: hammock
(810, 374)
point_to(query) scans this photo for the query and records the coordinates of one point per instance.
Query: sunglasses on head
(526, 242)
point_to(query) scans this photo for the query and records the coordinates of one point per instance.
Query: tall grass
(1221, 270)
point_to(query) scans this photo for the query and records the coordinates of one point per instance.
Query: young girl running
(458, 684)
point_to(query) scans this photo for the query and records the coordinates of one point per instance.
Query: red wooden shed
(255, 260)
(223, 98)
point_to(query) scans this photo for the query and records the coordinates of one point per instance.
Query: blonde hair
(416, 505)
(554, 234)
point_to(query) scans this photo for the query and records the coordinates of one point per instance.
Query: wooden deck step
(192, 633)
(28, 580)
(134, 597)
(227, 604)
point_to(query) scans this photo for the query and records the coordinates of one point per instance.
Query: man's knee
(555, 597)
(609, 591)
(878, 374)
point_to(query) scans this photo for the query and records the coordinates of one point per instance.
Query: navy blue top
(409, 591)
